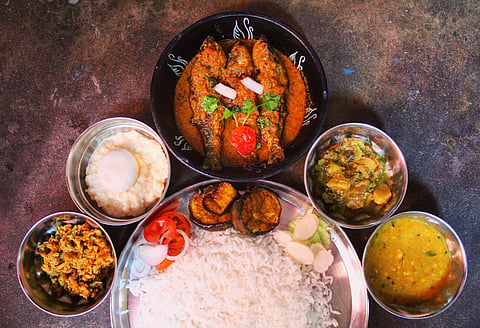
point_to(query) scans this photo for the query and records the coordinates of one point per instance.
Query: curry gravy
(296, 103)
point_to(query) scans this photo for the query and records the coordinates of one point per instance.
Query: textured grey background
(409, 67)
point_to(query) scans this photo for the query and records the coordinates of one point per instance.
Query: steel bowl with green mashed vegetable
(351, 177)
(355, 175)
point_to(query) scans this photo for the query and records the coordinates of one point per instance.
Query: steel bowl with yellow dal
(411, 266)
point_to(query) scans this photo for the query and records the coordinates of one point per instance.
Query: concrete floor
(411, 68)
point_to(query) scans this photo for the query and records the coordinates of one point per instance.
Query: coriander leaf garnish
(263, 122)
(248, 107)
(270, 101)
(209, 104)
(229, 112)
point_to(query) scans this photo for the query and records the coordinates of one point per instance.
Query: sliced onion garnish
(185, 246)
(139, 269)
(162, 238)
(323, 260)
(252, 85)
(282, 236)
(152, 254)
(225, 91)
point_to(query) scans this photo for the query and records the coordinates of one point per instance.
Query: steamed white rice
(231, 280)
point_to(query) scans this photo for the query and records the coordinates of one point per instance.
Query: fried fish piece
(207, 112)
(239, 62)
(240, 65)
(273, 76)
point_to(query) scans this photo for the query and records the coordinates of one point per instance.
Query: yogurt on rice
(126, 174)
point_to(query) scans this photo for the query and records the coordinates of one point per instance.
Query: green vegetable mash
(351, 176)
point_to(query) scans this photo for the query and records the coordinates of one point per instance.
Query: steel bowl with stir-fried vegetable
(66, 264)
(76, 259)
(355, 175)
(352, 176)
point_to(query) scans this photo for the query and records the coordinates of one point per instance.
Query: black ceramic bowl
(222, 27)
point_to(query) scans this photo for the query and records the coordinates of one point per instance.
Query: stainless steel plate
(348, 286)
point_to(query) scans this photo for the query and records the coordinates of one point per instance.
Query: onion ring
(185, 246)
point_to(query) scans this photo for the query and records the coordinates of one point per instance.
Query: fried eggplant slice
(202, 216)
(273, 76)
(219, 200)
(206, 70)
(257, 212)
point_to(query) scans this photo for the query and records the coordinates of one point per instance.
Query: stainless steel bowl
(456, 279)
(79, 157)
(36, 284)
(396, 168)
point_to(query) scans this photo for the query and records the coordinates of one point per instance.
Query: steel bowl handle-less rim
(85, 140)
(312, 157)
(459, 264)
(27, 249)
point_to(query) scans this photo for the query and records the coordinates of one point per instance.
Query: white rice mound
(227, 279)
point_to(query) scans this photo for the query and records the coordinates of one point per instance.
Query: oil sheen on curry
(407, 262)
(240, 103)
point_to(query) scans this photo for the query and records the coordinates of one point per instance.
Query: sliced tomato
(181, 221)
(164, 264)
(243, 139)
(172, 229)
(159, 227)
(176, 245)
(166, 224)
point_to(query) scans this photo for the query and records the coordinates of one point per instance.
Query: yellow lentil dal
(407, 262)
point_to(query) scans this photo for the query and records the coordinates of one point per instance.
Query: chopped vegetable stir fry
(77, 258)
(351, 176)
